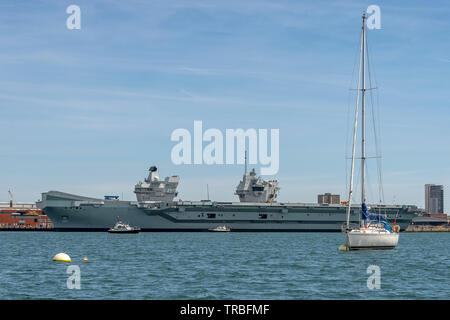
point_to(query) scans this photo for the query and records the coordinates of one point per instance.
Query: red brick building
(24, 219)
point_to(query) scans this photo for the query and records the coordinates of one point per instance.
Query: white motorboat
(220, 229)
(121, 227)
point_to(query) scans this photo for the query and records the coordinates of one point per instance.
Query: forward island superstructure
(154, 189)
(156, 210)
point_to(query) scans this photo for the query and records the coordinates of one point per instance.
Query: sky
(88, 111)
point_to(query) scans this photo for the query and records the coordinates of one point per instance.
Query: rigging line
(369, 185)
(373, 119)
(349, 98)
(377, 124)
(358, 179)
(379, 161)
(374, 123)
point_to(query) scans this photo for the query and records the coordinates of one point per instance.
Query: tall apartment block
(434, 198)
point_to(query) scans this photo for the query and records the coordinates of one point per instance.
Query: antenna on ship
(207, 191)
(245, 157)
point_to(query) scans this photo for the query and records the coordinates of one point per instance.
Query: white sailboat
(373, 232)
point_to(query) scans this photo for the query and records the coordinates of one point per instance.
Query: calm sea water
(220, 266)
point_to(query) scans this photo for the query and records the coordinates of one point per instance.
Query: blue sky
(88, 111)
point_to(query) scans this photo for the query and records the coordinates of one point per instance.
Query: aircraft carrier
(156, 210)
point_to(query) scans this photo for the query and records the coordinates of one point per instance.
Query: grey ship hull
(75, 213)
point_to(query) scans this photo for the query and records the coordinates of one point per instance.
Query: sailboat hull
(370, 240)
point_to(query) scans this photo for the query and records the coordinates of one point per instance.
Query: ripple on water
(220, 266)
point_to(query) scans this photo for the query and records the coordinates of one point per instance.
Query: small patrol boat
(121, 227)
(220, 229)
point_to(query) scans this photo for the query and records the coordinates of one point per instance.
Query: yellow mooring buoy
(343, 248)
(62, 257)
(85, 259)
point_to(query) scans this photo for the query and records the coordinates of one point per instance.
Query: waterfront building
(328, 198)
(434, 198)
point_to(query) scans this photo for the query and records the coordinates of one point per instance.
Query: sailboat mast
(355, 127)
(363, 114)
